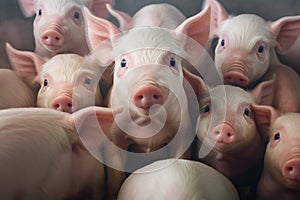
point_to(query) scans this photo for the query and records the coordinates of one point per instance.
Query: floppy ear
(92, 125)
(26, 64)
(286, 31)
(98, 29)
(264, 117)
(263, 93)
(218, 15)
(27, 7)
(123, 18)
(197, 83)
(98, 7)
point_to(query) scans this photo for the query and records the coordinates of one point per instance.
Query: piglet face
(68, 83)
(242, 53)
(59, 27)
(226, 122)
(282, 157)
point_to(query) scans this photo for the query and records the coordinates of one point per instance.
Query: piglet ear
(264, 117)
(286, 31)
(26, 64)
(98, 7)
(218, 15)
(27, 7)
(98, 29)
(263, 93)
(197, 84)
(92, 125)
(123, 18)
(197, 27)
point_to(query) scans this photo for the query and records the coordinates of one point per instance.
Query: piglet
(148, 84)
(245, 53)
(68, 82)
(177, 179)
(227, 136)
(160, 15)
(281, 173)
(59, 25)
(43, 157)
(14, 92)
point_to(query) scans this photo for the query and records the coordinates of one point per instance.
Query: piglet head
(246, 43)
(59, 24)
(68, 82)
(282, 157)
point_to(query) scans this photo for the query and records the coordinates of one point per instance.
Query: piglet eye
(261, 49)
(277, 136)
(247, 112)
(206, 109)
(46, 82)
(76, 15)
(172, 62)
(123, 63)
(40, 12)
(222, 42)
(88, 81)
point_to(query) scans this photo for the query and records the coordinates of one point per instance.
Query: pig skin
(150, 51)
(177, 179)
(245, 53)
(280, 177)
(43, 157)
(71, 80)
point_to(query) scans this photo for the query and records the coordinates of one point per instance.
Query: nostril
(229, 134)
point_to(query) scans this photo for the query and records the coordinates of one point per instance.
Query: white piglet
(68, 82)
(177, 179)
(59, 25)
(43, 157)
(245, 54)
(148, 83)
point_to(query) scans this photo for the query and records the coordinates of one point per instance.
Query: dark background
(269, 9)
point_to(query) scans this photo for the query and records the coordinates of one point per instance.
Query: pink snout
(223, 133)
(64, 104)
(148, 96)
(52, 38)
(291, 170)
(236, 78)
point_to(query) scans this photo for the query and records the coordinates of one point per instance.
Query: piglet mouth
(236, 75)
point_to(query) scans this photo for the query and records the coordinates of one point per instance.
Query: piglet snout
(224, 133)
(236, 78)
(291, 170)
(52, 38)
(63, 104)
(148, 96)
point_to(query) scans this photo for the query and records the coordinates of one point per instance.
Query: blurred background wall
(269, 9)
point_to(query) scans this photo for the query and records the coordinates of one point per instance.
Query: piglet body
(42, 156)
(148, 84)
(177, 179)
(281, 174)
(14, 92)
